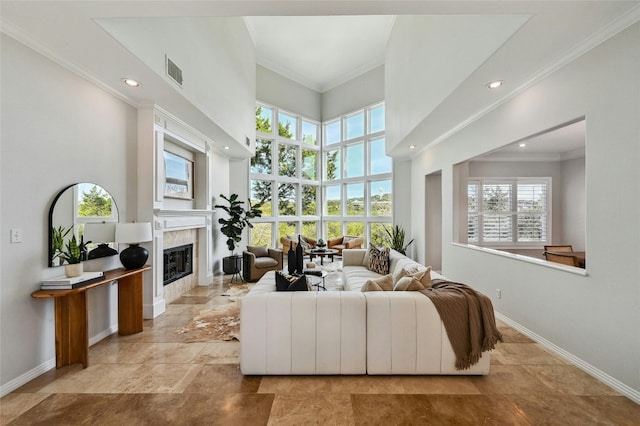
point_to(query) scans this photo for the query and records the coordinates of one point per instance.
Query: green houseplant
(238, 219)
(73, 255)
(57, 242)
(397, 236)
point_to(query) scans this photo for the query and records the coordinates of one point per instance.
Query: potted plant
(396, 236)
(233, 226)
(72, 254)
(57, 242)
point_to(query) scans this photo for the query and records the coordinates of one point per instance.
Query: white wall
(57, 129)
(278, 90)
(220, 184)
(595, 317)
(217, 58)
(359, 92)
(573, 204)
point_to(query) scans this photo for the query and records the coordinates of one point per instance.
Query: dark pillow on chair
(286, 282)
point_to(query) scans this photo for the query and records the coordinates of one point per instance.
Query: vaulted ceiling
(322, 44)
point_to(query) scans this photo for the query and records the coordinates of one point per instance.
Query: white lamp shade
(100, 232)
(133, 233)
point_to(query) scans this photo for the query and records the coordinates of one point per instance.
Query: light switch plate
(16, 235)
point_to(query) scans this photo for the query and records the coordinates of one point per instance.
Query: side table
(233, 265)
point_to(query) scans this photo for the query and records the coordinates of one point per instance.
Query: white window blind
(512, 211)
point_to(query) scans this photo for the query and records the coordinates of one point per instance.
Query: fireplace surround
(177, 263)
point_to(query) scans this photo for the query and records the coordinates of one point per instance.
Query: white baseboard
(152, 311)
(612, 382)
(105, 333)
(27, 377)
(48, 365)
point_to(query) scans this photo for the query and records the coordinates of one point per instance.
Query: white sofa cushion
(405, 335)
(302, 332)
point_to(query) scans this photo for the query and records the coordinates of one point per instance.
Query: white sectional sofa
(346, 332)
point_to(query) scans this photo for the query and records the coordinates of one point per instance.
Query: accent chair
(258, 260)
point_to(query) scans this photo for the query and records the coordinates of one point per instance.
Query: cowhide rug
(220, 323)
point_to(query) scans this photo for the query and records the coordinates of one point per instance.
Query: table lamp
(100, 233)
(134, 256)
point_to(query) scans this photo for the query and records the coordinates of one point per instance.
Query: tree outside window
(377, 234)
(333, 165)
(310, 229)
(287, 199)
(287, 228)
(264, 118)
(355, 228)
(260, 234)
(261, 162)
(286, 125)
(334, 229)
(262, 190)
(309, 200)
(287, 160)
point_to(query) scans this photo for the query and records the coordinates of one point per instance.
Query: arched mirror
(88, 212)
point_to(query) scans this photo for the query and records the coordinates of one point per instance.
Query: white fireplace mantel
(175, 220)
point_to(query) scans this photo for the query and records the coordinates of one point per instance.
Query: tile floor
(152, 378)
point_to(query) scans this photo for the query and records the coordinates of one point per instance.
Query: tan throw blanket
(468, 319)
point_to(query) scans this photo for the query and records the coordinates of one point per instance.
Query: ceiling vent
(174, 71)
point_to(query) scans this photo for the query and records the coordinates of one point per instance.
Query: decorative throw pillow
(408, 283)
(286, 282)
(384, 283)
(345, 239)
(424, 276)
(304, 243)
(259, 251)
(378, 259)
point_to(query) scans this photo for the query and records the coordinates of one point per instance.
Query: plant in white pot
(72, 255)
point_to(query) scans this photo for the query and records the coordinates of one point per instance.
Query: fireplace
(178, 263)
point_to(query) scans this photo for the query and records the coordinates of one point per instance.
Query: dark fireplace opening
(178, 263)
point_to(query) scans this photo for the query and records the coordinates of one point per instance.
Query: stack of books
(65, 283)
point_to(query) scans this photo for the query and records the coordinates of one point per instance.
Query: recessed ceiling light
(495, 84)
(131, 82)
(226, 147)
(522, 145)
(412, 147)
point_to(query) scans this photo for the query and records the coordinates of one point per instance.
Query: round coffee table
(316, 278)
(322, 253)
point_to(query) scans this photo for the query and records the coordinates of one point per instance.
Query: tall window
(321, 186)
(509, 212)
(285, 174)
(357, 176)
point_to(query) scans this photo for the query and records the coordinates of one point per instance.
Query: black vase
(291, 260)
(299, 256)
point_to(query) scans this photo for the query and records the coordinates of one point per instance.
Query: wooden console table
(71, 317)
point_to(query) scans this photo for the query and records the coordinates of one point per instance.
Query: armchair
(292, 241)
(345, 242)
(258, 260)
